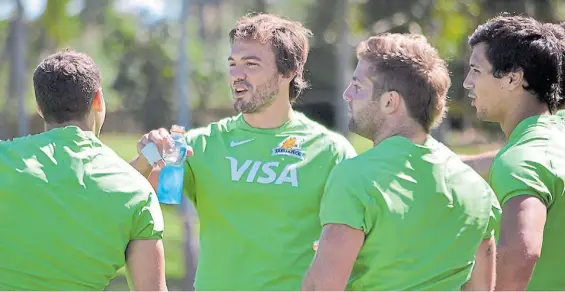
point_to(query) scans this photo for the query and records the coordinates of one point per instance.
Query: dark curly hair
(517, 43)
(559, 31)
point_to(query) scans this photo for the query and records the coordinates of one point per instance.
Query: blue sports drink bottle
(171, 179)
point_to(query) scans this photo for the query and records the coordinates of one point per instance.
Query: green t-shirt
(69, 206)
(257, 193)
(533, 163)
(423, 211)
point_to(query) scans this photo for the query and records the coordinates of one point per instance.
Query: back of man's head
(65, 84)
(409, 65)
(519, 43)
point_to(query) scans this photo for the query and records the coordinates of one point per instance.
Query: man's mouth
(473, 98)
(240, 90)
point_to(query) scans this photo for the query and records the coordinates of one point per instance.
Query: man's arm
(142, 165)
(520, 243)
(145, 264)
(484, 272)
(154, 177)
(337, 250)
(161, 138)
(481, 162)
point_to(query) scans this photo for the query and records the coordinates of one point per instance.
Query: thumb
(189, 152)
(160, 164)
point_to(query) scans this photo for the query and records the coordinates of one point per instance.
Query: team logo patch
(289, 147)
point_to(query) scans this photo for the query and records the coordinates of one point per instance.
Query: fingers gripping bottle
(171, 179)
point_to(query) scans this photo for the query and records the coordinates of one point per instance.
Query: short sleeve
(342, 202)
(495, 216)
(148, 221)
(515, 173)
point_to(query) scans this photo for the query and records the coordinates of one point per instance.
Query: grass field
(125, 146)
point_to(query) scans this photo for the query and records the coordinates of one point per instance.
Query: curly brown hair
(288, 39)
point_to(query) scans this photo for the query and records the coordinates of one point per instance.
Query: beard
(261, 97)
(482, 115)
(366, 122)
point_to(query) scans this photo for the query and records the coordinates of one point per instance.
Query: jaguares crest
(289, 147)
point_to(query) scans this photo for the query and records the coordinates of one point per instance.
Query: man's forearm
(307, 283)
(514, 269)
(142, 165)
(323, 280)
(481, 162)
(484, 271)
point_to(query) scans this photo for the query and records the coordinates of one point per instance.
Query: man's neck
(520, 113)
(271, 117)
(82, 125)
(409, 130)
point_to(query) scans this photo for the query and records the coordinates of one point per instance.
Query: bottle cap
(177, 129)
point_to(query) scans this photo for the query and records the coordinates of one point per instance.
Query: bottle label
(182, 154)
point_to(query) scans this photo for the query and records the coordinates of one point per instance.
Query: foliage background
(165, 61)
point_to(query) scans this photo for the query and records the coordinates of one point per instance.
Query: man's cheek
(362, 95)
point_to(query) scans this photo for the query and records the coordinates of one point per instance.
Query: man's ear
(289, 75)
(516, 80)
(390, 102)
(98, 101)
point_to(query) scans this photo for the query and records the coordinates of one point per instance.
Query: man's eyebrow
(246, 58)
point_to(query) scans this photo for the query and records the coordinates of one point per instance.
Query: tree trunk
(19, 68)
(184, 118)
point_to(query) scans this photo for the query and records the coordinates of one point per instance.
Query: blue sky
(34, 8)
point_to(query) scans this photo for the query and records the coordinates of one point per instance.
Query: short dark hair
(288, 39)
(408, 64)
(559, 31)
(65, 84)
(521, 43)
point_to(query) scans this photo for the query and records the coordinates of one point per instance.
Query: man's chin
(353, 127)
(243, 109)
(483, 117)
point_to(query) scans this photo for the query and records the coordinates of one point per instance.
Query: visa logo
(263, 172)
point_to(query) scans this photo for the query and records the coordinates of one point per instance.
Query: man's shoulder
(519, 155)
(100, 167)
(536, 130)
(22, 142)
(461, 176)
(347, 172)
(213, 129)
(338, 143)
(364, 164)
(540, 143)
(110, 171)
(30, 148)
